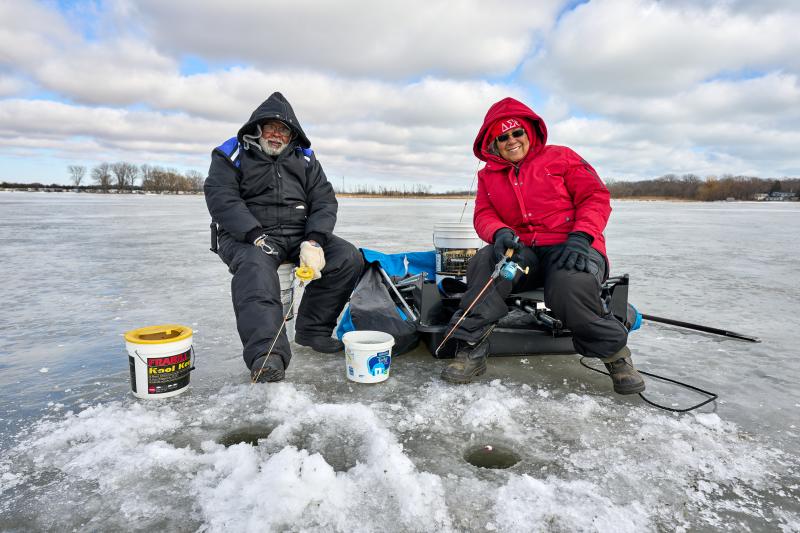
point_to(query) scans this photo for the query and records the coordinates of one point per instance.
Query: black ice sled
(528, 329)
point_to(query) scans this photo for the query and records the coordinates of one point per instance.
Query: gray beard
(269, 150)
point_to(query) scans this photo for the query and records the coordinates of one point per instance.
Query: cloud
(30, 32)
(389, 40)
(394, 93)
(106, 134)
(10, 86)
(658, 87)
(645, 48)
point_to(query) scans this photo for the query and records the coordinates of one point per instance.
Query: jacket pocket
(560, 222)
(295, 215)
(267, 216)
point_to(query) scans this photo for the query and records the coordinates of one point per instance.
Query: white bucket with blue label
(368, 355)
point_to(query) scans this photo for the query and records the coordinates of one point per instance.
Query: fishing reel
(510, 268)
(507, 269)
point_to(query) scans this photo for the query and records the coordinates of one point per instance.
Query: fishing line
(304, 274)
(711, 395)
(469, 193)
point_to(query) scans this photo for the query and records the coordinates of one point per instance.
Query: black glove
(503, 240)
(575, 255)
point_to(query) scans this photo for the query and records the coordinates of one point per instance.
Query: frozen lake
(78, 452)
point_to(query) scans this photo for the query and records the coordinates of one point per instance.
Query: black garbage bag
(373, 309)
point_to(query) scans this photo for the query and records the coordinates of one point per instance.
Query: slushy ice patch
(310, 472)
(637, 471)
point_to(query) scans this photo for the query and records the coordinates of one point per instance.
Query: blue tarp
(404, 263)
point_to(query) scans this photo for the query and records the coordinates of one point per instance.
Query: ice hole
(342, 449)
(249, 435)
(491, 455)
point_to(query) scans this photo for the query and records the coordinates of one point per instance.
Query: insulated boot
(319, 343)
(624, 376)
(470, 362)
(272, 370)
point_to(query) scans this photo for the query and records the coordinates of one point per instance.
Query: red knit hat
(503, 125)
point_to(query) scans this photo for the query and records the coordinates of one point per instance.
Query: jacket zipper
(280, 196)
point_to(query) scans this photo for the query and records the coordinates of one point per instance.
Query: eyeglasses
(276, 127)
(516, 134)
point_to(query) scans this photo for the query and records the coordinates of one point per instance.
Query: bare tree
(173, 180)
(125, 173)
(146, 172)
(76, 174)
(195, 179)
(101, 174)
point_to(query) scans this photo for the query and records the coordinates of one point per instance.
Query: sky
(393, 93)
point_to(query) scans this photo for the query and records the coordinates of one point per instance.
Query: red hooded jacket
(550, 193)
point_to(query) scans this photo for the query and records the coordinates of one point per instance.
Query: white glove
(312, 256)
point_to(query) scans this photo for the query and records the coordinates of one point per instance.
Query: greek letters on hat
(509, 124)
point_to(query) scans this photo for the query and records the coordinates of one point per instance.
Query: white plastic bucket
(368, 355)
(456, 243)
(161, 359)
(286, 278)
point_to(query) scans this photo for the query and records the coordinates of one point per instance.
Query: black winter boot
(272, 370)
(319, 343)
(625, 377)
(470, 362)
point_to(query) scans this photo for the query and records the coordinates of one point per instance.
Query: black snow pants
(256, 292)
(573, 297)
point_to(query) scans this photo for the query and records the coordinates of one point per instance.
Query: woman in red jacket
(557, 206)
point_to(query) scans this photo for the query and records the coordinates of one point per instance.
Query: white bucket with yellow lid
(161, 359)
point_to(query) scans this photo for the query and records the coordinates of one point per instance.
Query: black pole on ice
(698, 327)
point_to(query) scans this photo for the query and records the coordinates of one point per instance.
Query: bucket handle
(140, 357)
(192, 354)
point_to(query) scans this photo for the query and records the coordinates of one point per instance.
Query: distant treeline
(123, 177)
(127, 177)
(415, 191)
(692, 187)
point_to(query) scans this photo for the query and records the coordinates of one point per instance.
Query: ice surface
(79, 452)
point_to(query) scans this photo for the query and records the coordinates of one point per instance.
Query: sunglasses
(516, 134)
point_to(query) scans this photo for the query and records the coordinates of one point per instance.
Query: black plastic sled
(528, 329)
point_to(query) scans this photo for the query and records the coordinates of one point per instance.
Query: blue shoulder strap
(231, 150)
(308, 154)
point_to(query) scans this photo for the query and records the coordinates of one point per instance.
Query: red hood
(508, 108)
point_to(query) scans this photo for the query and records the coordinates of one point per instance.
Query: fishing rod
(698, 327)
(506, 269)
(304, 274)
(469, 194)
(397, 293)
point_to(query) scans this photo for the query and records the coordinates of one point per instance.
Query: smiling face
(275, 135)
(513, 149)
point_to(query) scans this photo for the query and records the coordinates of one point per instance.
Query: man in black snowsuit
(271, 201)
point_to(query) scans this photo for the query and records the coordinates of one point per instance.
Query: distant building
(777, 197)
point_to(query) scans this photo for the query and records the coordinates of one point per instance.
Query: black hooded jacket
(285, 195)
